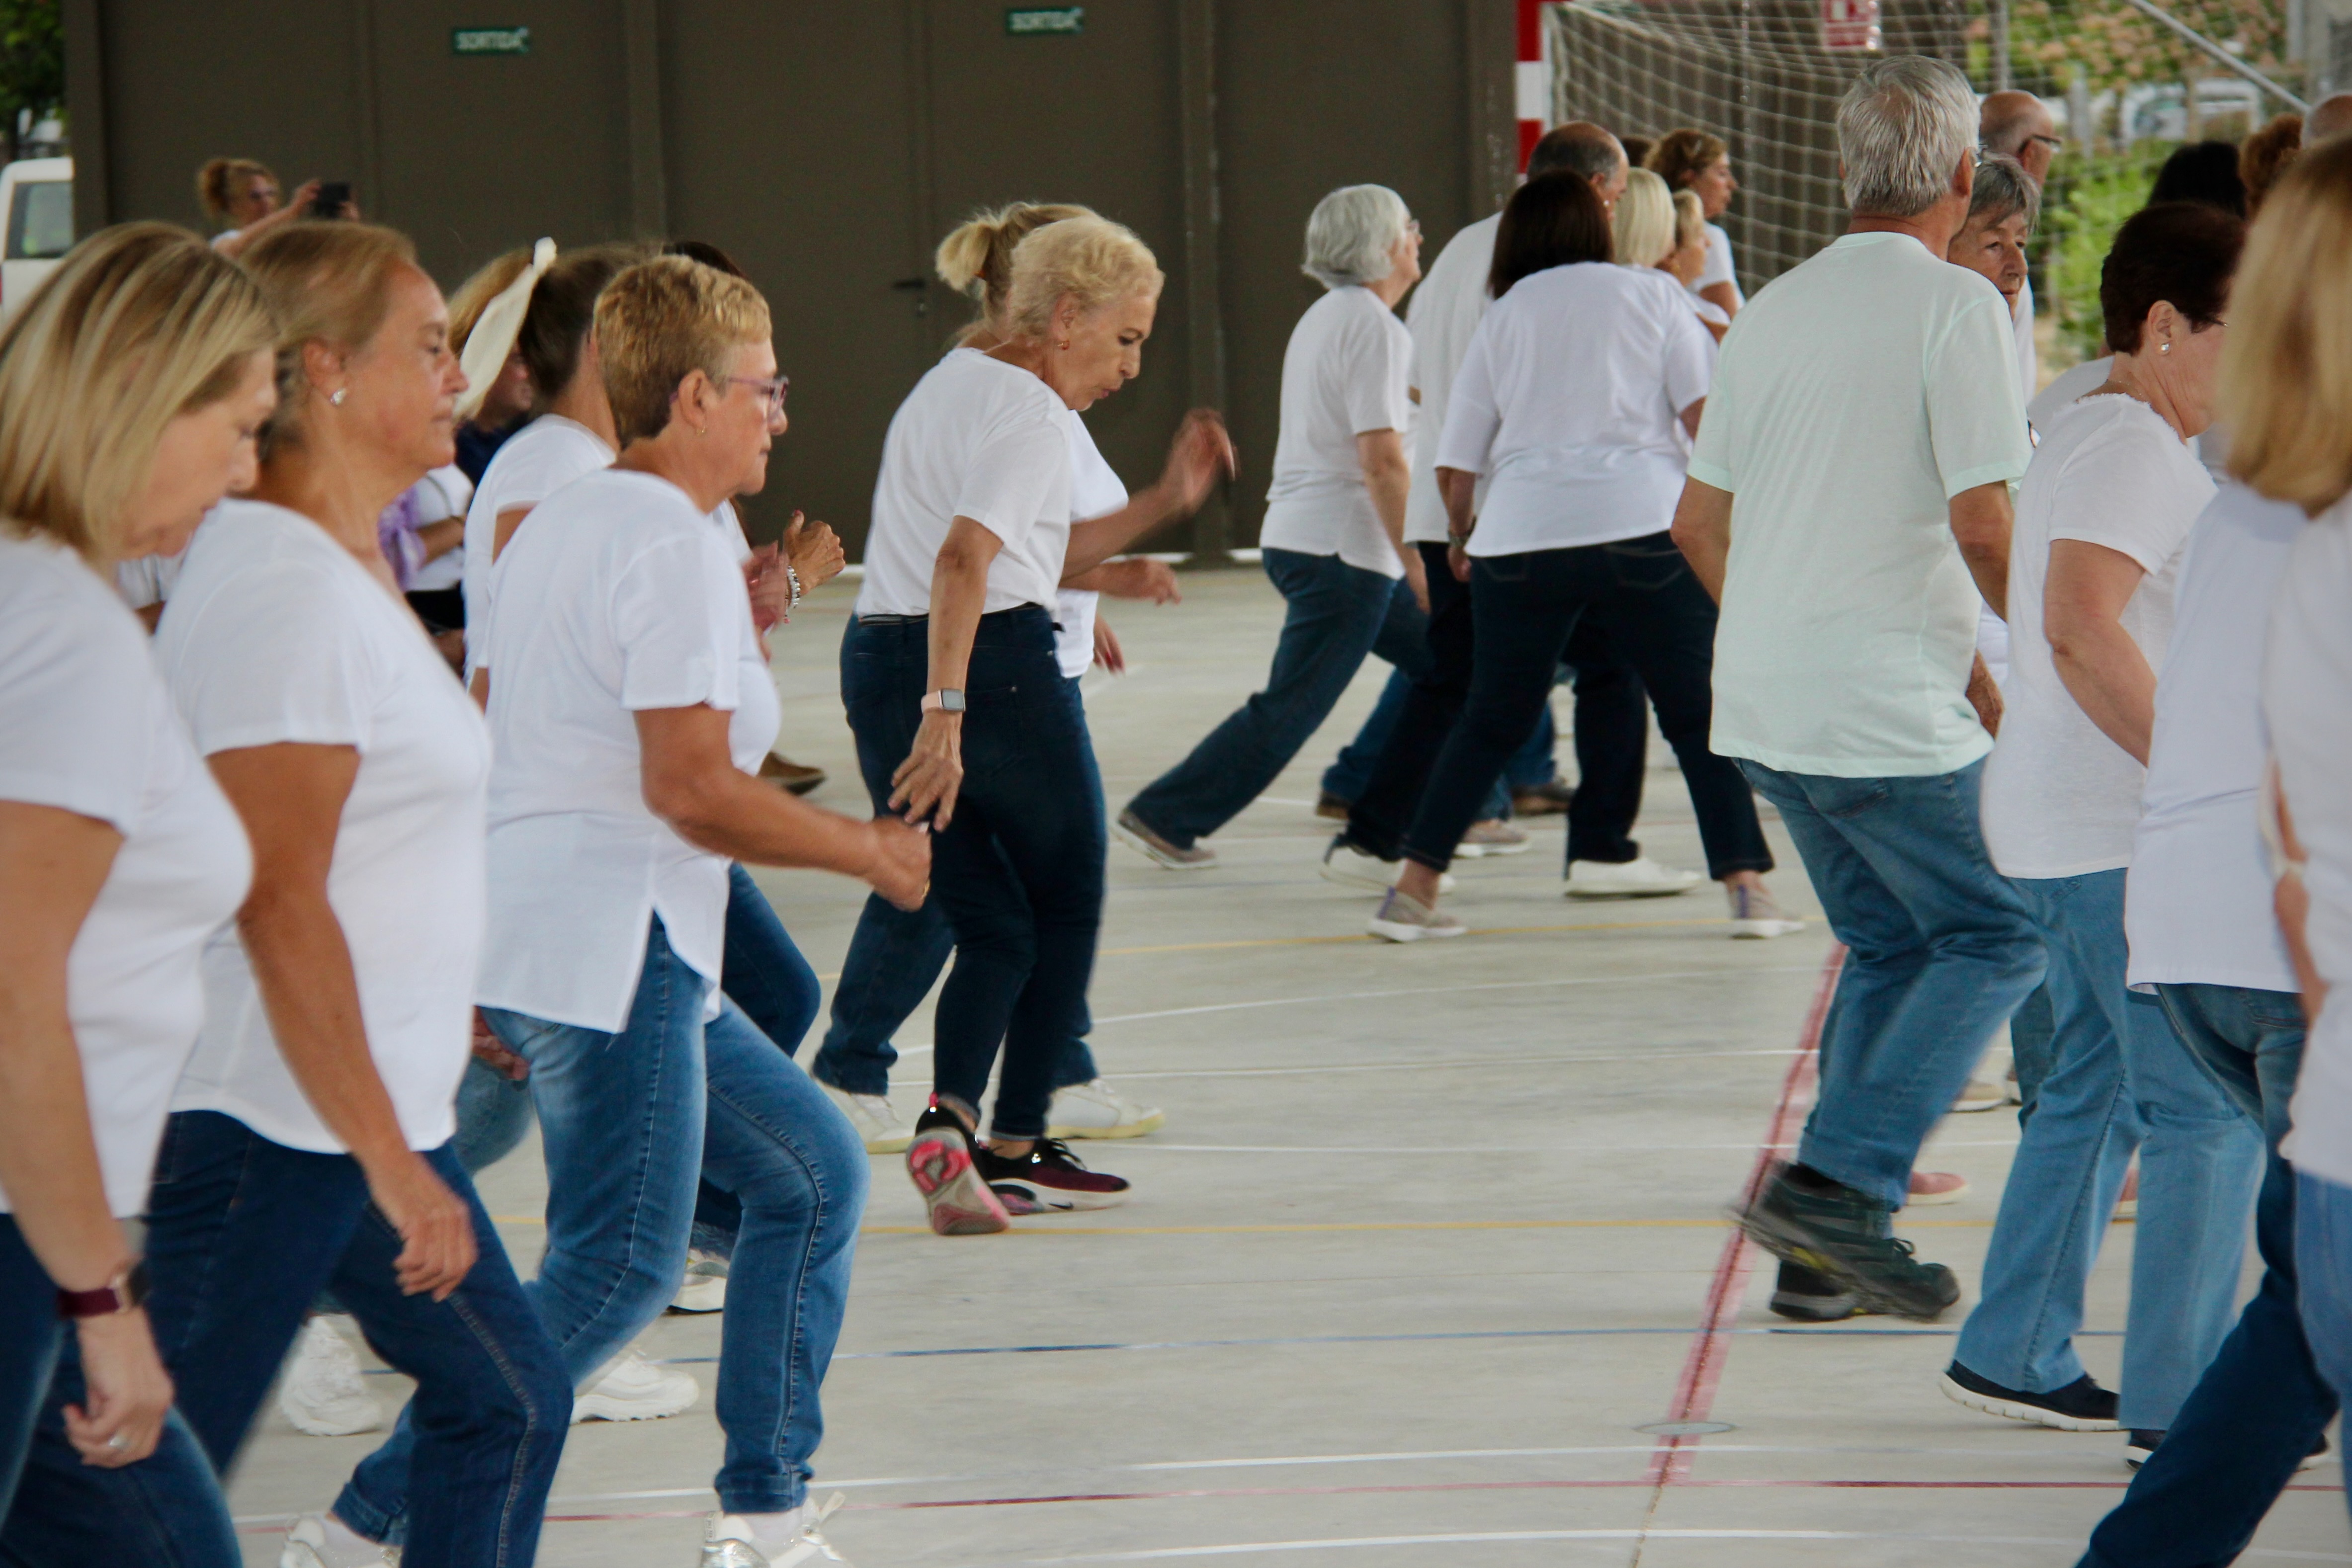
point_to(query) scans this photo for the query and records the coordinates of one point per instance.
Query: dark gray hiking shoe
(1822, 1225)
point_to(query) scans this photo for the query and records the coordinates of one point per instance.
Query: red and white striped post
(1532, 77)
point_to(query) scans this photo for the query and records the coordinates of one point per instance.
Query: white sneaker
(1754, 915)
(1348, 866)
(730, 1540)
(704, 1289)
(875, 1120)
(635, 1388)
(1979, 1095)
(1404, 918)
(1497, 837)
(1096, 1110)
(1642, 878)
(319, 1541)
(324, 1393)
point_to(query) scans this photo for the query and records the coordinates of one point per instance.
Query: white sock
(771, 1532)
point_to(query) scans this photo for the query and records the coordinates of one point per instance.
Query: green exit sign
(1064, 20)
(490, 40)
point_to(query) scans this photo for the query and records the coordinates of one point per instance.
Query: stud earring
(336, 396)
(2164, 347)
(1066, 345)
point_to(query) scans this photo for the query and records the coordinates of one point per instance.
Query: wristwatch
(120, 1294)
(947, 699)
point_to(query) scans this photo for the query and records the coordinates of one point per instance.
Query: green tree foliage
(2118, 46)
(32, 63)
(2088, 199)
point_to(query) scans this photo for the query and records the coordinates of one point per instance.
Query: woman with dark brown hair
(1697, 161)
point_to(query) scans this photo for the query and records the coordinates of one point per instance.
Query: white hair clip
(496, 329)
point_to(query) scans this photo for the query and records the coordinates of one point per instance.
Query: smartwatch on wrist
(947, 699)
(126, 1291)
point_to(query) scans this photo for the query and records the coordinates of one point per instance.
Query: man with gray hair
(1850, 479)
(2018, 125)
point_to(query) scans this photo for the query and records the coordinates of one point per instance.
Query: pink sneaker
(939, 1161)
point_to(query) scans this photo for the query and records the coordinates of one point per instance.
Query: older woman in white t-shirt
(1585, 470)
(1698, 162)
(2102, 517)
(1333, 538)
(119, 859)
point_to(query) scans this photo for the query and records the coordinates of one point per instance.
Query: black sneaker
(1048, 1178)
(1806, 1219)
(2080, 1407)
(1807, 1296)
(2139, 1446)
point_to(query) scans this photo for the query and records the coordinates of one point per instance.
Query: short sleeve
(1975, 415)
(1012, 474)
(1689, 357)
(669, 607)
(1719, 268)
(443, 494)
(2124, 494)
(76, 721)
(1471, 417)
(1715, 454)
(274, 657)
(1374, 370)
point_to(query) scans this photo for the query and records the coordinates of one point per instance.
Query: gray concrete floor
(1424, 1247)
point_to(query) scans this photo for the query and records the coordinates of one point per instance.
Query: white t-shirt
(2069, 385)
(981, 439)
(2197, 905)
(621, 599)
(148, 579)
(86, 727)
(1587, 458)
(2060, 797)
(1442, 318)
(2307, 707)
(2028, 372)
(279, 635)
(1094, 492)
(440, 496)
(1717, 268)
(539, 459)
(1852, 398)
(1347, 373)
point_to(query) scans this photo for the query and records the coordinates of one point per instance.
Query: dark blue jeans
(895, 957)
(165, 1510)
(1337, 614)
(1524, 609)
(1019, 871)
(2263, 1402)
(1939, 950)
(242, 1234)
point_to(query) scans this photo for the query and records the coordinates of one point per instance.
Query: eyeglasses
(771, 391)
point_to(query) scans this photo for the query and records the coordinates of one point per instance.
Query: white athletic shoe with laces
(319, 1541)
(1096, 1110)
(730, 1540)
(876, 1120)
(1639, 878)
(1754, 915)
(704, 1289)
(1404, 918)
(1495, 836)
(634, 1387)
(324, 1394)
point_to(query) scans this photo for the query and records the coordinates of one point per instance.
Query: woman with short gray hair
(1334, 527)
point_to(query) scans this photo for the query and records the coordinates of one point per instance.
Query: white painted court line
(1322, 1068)
(1463, 990)
(1485, 1538)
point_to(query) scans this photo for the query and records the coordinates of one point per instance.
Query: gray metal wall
(828, 147)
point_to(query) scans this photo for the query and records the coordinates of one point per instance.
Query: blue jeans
(165, 1510)
(896, 956)
(1337, 614)
(1939, 953)
(1019, 871)
(2262, 1403)
(242, 1234)
(2323, 1262)
(1350, 773)
(631, 1124)
(2119, 1079)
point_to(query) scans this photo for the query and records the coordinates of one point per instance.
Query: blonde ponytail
(976, 259)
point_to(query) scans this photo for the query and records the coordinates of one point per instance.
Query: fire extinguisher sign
(1850, 25)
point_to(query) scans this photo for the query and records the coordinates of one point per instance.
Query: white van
(37, 201)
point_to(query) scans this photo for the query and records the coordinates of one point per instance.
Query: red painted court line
(1703, 1367)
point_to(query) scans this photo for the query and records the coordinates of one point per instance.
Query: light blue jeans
(1939, 953)
(631, 1123)
(2120, 1079)
(2323, 1266)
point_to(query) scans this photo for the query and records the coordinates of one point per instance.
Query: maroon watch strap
(127, 1289)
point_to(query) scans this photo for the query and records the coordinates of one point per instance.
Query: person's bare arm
(2104, 670)
(1201, 455)
(1981, 519)
(1690, 418)
(2291, 901)
(439, 538)
(291, 798)
(255, 230)
(1388, 474)
(1141, 577)
(1702, 531)
(925, 784)
(1458, 489)
(1723, 296)
(1984, 696)
(690, 781)
(503, 527)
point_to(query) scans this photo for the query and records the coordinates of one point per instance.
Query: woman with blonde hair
(959, 706)
(631, 704)
(1699, 163)
(504, 405)
(131, 383)
(309, 1140)
(896, 955)
(243, 195)
(1644, 225)
(1687, 261)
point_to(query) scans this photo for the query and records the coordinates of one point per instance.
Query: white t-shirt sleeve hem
(1708, 473)
(1966, 479)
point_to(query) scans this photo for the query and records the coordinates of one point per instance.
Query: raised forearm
(1097, 540)
(728, 812)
